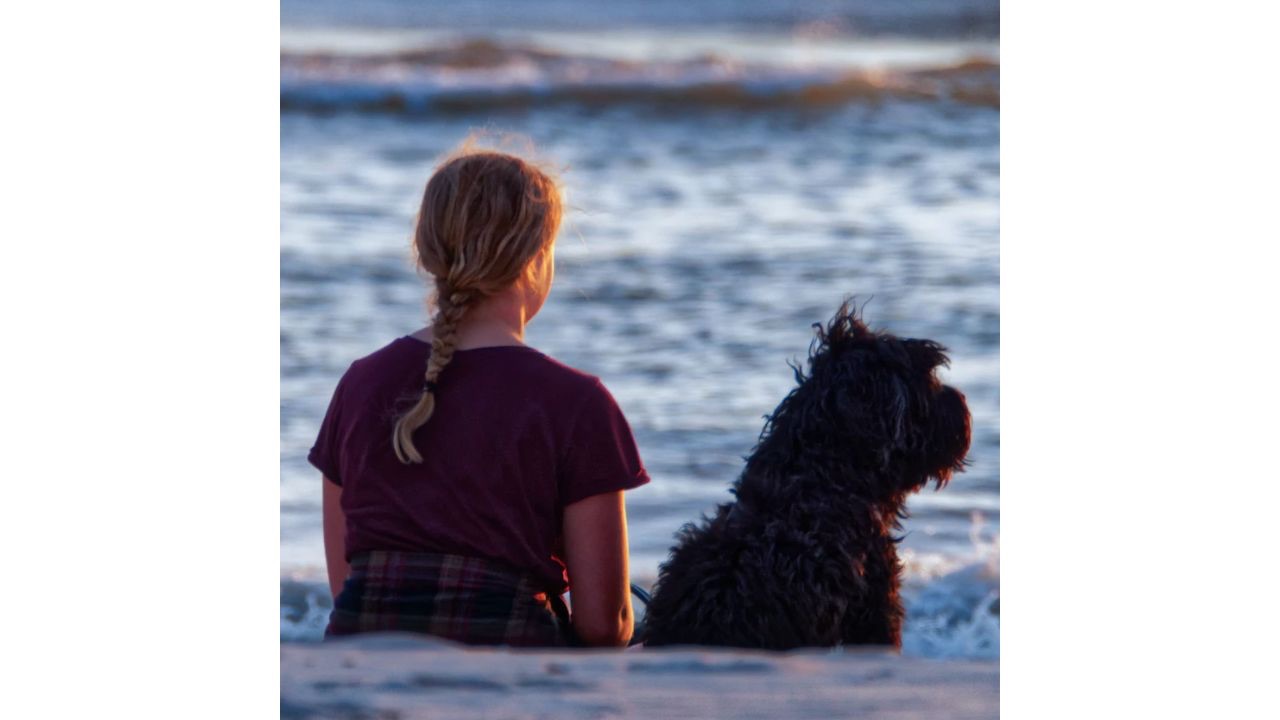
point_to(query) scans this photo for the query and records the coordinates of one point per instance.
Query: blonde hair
(485, 216)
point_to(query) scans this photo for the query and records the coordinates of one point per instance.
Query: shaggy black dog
(806, 556)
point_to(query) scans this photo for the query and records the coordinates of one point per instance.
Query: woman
(468, 478)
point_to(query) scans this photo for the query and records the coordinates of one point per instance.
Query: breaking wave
(953, 604)
(482, 74)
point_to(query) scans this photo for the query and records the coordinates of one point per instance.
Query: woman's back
(516, 437)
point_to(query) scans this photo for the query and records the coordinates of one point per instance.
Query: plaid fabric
(470, 600)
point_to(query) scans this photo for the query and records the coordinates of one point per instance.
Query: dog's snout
(953, 428)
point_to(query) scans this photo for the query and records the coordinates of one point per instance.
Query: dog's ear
(949, 427)
(928, 422)
(898, 406)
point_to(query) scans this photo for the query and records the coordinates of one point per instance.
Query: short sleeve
(601, 454)
(324, 454)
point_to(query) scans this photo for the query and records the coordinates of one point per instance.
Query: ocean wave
(304, 609)
(482, 74)
(954, 616)
(953, 604)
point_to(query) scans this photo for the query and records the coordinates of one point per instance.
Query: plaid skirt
(466, 599)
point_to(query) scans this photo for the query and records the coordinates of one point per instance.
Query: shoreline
(400, 675)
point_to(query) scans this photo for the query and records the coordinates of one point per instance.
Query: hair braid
(452, 305)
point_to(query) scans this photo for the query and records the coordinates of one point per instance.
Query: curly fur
(806, 554)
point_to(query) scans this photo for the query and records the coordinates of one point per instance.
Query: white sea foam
(953, 604)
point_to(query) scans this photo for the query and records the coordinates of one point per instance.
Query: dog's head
(872, 403)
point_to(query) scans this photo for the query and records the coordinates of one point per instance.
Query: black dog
(806, 556)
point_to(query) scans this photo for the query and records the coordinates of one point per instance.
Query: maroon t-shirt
(514, 438)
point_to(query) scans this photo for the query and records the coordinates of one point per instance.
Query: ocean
(733, 170)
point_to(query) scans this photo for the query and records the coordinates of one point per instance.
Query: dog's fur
(806, 555)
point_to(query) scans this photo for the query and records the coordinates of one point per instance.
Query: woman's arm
(595, 545)
(335, 529)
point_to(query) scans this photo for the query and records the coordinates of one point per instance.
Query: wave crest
(479, 74)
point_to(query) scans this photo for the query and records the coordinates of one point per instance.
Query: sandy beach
(405, 676)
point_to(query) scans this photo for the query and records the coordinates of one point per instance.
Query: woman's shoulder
(561, 370)
(532, 367)
(551, 374)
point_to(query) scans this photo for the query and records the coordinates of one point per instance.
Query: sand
(405, 676)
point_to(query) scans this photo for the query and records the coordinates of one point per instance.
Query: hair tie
(430, 386)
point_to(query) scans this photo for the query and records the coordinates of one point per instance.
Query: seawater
(703, 240)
